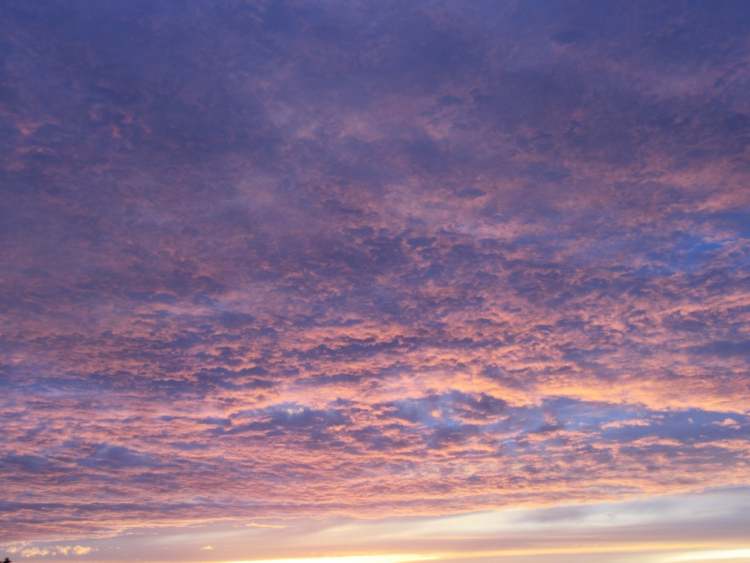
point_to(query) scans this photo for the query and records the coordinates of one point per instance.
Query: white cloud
(28, 551)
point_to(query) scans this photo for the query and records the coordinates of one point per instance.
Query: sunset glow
(382, 558)
(375, 281)
(716, 555)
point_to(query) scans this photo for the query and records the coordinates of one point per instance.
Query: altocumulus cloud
(275, 260)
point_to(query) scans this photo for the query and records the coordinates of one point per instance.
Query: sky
(375, 281)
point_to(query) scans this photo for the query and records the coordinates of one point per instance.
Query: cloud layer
(280, 259)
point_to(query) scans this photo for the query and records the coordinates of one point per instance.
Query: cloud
(32, 551)
(117, 457)
(272, 260)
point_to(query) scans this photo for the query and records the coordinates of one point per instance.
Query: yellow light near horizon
(385, 558)
(713, 555)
